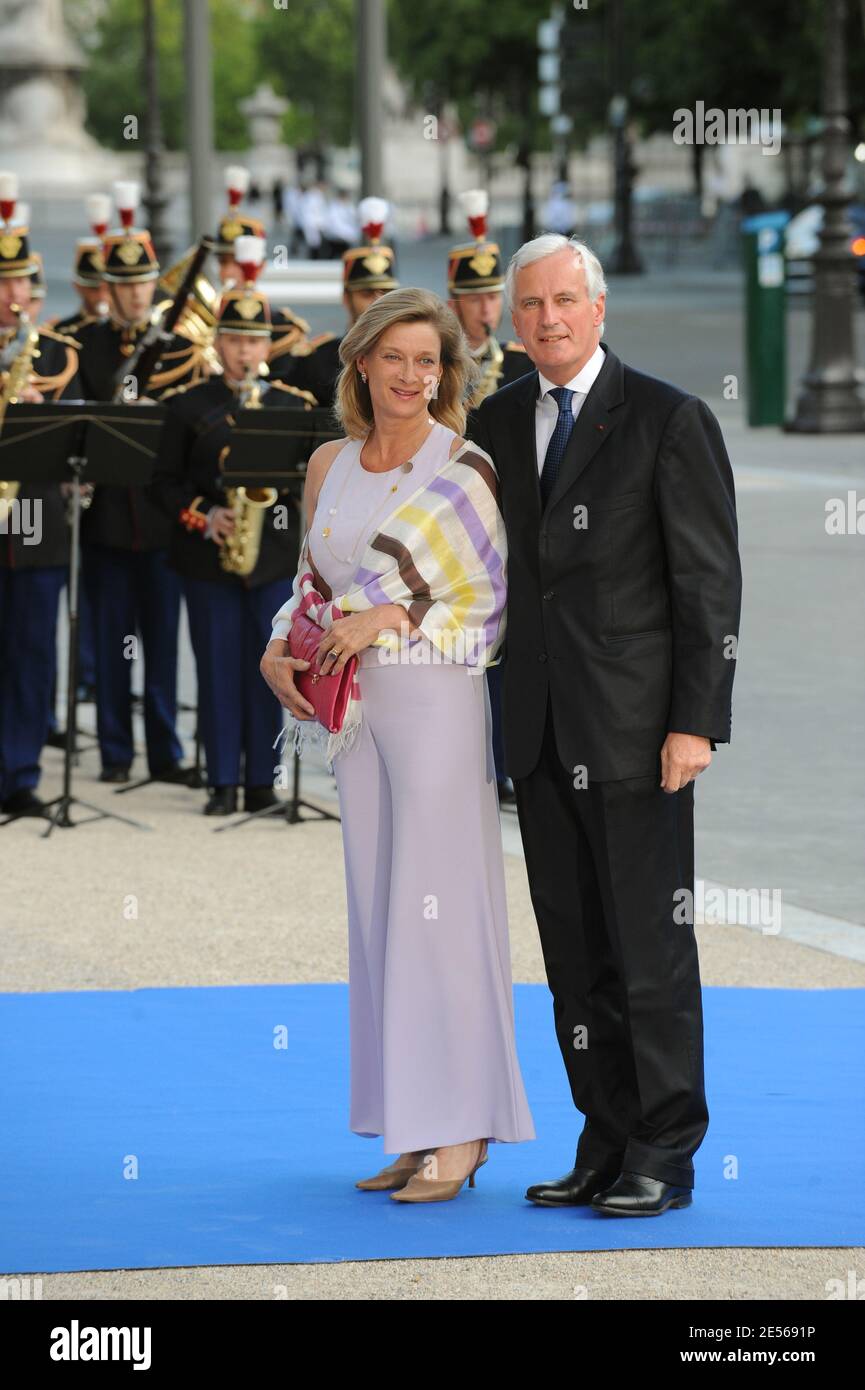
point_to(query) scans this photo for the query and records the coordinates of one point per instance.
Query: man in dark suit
(624, 590)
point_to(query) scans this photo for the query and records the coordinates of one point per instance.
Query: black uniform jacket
(515, 363)
(187, 482)
(317, 366)
(288, 334)
(55, 374)
(124, 516)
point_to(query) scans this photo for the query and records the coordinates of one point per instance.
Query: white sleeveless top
(354, 502)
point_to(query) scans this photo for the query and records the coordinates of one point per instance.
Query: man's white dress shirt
(546, 408)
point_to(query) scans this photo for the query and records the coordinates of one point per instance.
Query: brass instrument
(490, 359)
(239, 552)
(198, 316)
(16, 361)
(194, 318)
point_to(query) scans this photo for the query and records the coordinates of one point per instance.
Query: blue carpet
(162, 1127)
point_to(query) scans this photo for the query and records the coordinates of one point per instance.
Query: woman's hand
(347, 636)
(278, 669)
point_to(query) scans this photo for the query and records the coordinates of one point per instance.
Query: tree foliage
(114, 85)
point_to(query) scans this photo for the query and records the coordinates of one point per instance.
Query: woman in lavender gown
(434, 1068)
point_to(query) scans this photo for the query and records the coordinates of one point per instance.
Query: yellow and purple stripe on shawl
(452, 531)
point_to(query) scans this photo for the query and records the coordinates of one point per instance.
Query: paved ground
(781, 808)
(213, 911)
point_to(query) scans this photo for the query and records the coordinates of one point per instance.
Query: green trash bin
(765, 317)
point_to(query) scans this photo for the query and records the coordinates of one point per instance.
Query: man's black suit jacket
(624, 591)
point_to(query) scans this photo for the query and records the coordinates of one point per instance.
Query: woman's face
(403, 370)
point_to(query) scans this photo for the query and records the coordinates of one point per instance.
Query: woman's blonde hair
(460, 372)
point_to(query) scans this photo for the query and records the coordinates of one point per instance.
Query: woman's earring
(363, 377)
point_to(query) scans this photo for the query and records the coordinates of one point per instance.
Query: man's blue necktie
(559, 441)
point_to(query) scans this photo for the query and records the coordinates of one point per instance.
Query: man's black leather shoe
(575, 1189)
(23, 803)
(259, 798)
(114, 772)
(223, 802)
(635, 1194)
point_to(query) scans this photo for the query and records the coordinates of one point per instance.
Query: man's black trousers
(609, 866)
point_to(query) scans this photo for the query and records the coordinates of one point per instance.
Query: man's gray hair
(547, 245)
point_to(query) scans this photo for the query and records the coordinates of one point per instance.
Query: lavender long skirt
(433, 1056)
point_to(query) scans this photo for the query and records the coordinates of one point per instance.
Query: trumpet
(240, 551)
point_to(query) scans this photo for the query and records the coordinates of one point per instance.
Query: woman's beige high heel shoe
(421, 1189)
(389, 1177)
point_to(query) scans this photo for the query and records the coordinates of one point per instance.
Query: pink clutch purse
(328, 695)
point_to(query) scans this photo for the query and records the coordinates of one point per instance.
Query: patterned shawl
(442, 554)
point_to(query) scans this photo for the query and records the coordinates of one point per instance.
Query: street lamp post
(199, 114)
(830, 400)
(624, 258)
(369, 87)
(154, 198)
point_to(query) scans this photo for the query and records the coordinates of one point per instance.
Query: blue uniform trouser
(495, 676)
(132, 594)
(86, 639)
(230, 627)
(29, 601)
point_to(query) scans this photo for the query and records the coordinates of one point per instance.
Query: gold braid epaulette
(306, 396)
(46, 332)
(178, 390)
(193, 358)
(311, 345)
(289, 340)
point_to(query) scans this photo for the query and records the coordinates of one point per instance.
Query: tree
(306, 49)
(112, 39)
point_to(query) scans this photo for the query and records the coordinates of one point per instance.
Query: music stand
(76, 438)
(269, 448)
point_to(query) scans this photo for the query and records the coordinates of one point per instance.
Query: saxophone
(16, 361)
(239, 553)
(490, 358)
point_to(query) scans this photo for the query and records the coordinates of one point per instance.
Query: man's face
(357, 300)
(14, 291)
(558, 324)
(474, 311)
(239, 352)
(133, 302)
(92, 296)
(229, 271)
